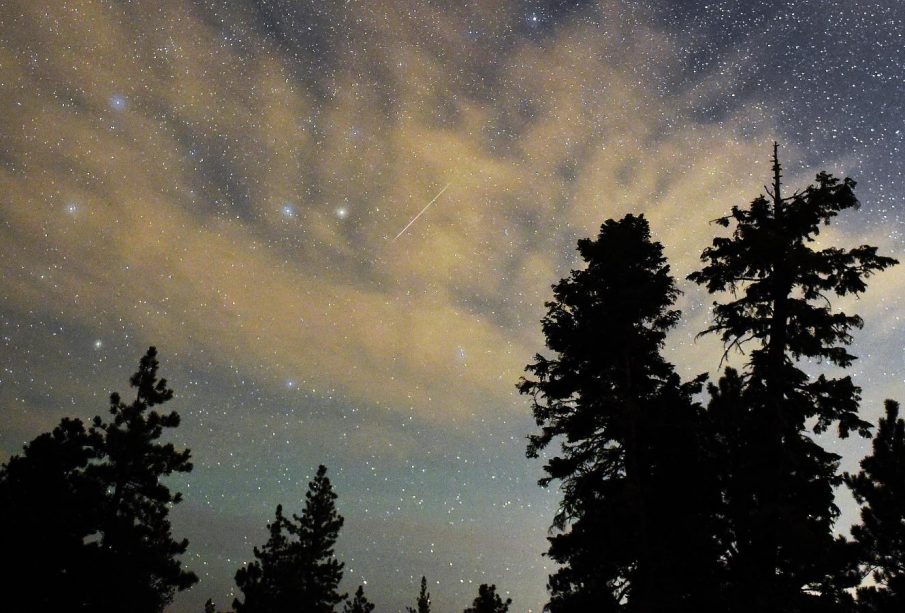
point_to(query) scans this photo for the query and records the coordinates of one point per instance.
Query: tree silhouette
(628, 434)
(296, 568)
(488, 601)
(39, 539)
(359, 604)
(90, 503)
(136, 546)
(780, 547)
(423, 604)
(880, 537)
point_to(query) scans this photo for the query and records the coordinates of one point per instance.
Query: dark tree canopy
(780, 552)
(112, 549)
(780, 288)
(39, 540)
(880, 537)
(423, 604)
(488, 601)
(626, 427)
(358, 604)
(296, 568)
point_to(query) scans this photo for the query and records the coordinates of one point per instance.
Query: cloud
(238, 204)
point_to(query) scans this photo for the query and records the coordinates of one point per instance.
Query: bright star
(72, 208)
(118, 102)
(342, 212)
(288, 211)
(98, 344)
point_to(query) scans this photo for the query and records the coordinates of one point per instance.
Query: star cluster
(225, 179)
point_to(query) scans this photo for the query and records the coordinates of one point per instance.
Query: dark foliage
(628, 433)
(359, 604)
(296, 569)
(780, 553)
(423, 604)
(89, 511)
(880, 537)
(488, 601)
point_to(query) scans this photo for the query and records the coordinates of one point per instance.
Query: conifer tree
(880, 537)
(423, 604)
(780, 550)
(39, 539)
(627, 428)
(90, 511)
(136, 547)
(488, 601)
(296, 569)
(359, 604)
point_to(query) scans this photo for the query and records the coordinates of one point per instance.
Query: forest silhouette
(675, 496)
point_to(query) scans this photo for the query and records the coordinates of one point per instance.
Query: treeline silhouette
(678, 501)
(88, 530)
(677, 496)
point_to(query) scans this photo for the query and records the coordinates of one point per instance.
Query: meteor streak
(415, 218)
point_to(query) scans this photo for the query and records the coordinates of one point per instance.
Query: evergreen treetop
(423, 604)
(296, 569)
(359, 604)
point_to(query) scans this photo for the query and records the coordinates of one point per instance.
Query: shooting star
(415, 218)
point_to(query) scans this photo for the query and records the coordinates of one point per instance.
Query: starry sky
(228, 180)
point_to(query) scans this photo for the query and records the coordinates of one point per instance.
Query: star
(118, 102)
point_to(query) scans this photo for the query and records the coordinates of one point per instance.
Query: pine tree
(627, 427)
(91, 513)
(296, 568)
(880, 537)
(39, 540)
(136, 547)
(359, 604)
(781, 551)
(488, 601)
(423, 604)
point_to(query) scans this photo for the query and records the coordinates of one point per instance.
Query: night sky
(228, 180)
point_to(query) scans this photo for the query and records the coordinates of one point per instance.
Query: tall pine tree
(880, 537)
(296, 569)
(627, 429)
(136, 547)
(780, 552)
(90, 512)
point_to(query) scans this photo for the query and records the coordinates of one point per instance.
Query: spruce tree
(488, 601)
(627, 432)
(880, 537)
(359, 604)
(780, 552)
(296, 568)
(423, 604)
